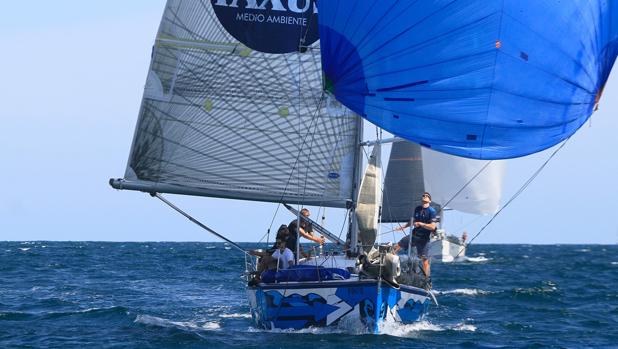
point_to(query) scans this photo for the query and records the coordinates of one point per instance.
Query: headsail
(221, 119)
(369, 198)
(482, 79)
(403, 183)
(466, 185)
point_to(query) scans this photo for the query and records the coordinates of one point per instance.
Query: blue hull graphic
(299, 305)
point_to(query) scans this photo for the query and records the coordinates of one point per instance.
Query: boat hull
(446, 251)
(297, 305)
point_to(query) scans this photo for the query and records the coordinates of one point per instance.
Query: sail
(234, 107)
(369, 197)
(403, 182)
(467, 185)
(483, 79)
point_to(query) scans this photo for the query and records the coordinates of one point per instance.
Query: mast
(358, 175)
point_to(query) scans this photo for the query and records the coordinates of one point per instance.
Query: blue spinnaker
(485, 79)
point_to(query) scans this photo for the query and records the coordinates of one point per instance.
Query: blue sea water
(191, 295)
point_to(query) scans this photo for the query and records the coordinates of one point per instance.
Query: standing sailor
(306, 231)
(424, 221)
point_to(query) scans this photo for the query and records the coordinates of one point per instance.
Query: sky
(73, 73)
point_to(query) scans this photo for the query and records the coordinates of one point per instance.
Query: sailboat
(260, 100)
(455, 183)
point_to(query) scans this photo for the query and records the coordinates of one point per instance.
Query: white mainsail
(219, 119)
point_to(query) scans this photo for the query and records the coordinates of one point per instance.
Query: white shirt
(288, 257)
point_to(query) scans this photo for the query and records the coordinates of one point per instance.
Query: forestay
(485, 79)
(219, 118)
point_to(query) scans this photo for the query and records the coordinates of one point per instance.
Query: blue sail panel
(485, 79)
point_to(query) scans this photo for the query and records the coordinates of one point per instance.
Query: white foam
(463, 291)
(464, 327)
(236, 316)
(310, 330)
(211, 325)
(477, 259)
(24, 248)
(184, 325)
(583, 250)
(614, 263)
(395, 329)
(390, 328)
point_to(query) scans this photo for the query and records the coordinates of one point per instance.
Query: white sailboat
(243, 102)
(221, 119)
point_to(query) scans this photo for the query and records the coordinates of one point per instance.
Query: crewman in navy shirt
(424, 221)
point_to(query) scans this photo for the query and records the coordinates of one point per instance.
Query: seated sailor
(283, 255)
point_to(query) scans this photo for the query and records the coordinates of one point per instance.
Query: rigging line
(518, 192)
(285, 188)
(160, 197)
(345, 219)
(381, 176)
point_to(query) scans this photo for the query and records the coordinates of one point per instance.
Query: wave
(182, 325)
(463, 291)
(412, 330)
(236, 316)
(389, 328)
(309, 330)
(24, 248)
(56, 315)
(533, 291)
(476, 259)
(465, 327)
(614, 263)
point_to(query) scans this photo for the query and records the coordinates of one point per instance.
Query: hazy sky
(72, 78)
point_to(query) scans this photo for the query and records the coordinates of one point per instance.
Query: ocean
(191, 295)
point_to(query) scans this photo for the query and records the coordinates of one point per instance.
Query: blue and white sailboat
(260, 100)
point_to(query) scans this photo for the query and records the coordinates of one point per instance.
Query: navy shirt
(291, 242)
(424, 215)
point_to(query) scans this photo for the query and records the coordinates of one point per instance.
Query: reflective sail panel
(482, 79)
(219, 118)
(403, 182)
(369, 197)
(467, 185)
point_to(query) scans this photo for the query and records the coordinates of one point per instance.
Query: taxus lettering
(275, 5)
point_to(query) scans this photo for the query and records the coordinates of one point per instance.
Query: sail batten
(223, 117)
